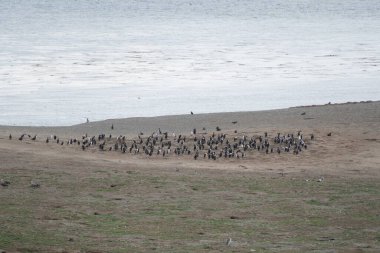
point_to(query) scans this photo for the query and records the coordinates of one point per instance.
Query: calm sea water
(64, 61)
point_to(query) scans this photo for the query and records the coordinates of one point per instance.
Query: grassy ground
(111, 207)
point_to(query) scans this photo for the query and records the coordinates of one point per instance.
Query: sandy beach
(324, 199)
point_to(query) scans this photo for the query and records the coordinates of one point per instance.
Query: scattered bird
(10, 137)
(329, 134)
(218, 128)
(34, 184)
(228, 242)
(112, 126)
(4, 183)
(192, 113)
(320, 179)
(21, 137)
(234, 122)
(304, 113)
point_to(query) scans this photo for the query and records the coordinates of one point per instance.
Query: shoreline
(203, 114)
(303, 117)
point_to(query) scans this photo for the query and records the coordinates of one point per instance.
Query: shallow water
(64, 61)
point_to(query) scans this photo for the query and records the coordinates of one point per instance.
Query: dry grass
(109, 207)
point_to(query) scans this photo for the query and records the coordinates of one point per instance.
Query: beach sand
(325, 199)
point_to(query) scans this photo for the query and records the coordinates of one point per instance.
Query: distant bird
(234, 122)
(192, 113)
(218, 128)
(21, 137)
(10, 137)
(304, 113)
(320, 179)
(229, 242)
(87, 120)
(329, 134)
(34, 184)
(4, 183)
(112, 126)
(34, 138)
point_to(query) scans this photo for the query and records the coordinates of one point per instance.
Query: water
(64, 61)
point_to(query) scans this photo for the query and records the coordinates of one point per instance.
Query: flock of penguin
(200, 146)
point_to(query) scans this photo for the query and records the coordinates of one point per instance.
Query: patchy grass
(93, 207)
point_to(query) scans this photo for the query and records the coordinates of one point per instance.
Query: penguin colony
(213, 146)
